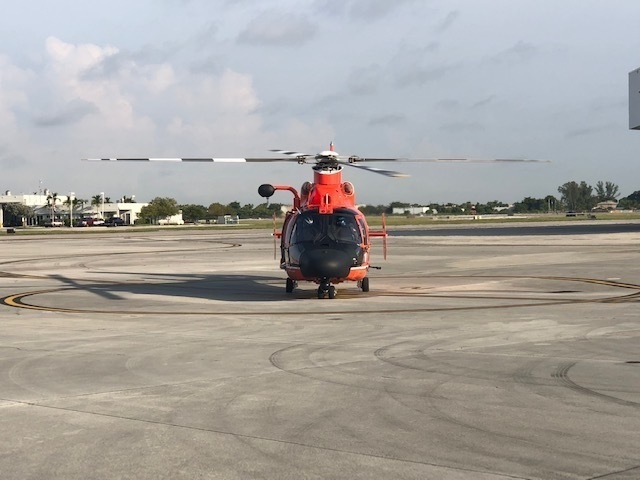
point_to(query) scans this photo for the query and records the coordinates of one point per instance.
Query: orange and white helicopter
(324, 239)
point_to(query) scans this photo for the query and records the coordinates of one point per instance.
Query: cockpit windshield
(339, 227)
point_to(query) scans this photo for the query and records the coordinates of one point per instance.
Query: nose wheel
(326, 290)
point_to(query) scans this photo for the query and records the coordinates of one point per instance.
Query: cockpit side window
(363, 229)
(345, 229)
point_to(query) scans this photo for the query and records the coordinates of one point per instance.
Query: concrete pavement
(179, 355)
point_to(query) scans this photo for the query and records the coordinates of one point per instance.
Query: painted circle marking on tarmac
(19, 301)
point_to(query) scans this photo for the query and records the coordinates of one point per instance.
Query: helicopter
(324, 239)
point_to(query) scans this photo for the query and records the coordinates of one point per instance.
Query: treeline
(192, 213)
(573, 196)
(162, 207)
(579, 197)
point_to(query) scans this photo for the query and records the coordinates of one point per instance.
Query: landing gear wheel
(290, 285)
(364, 284)
(326, 289)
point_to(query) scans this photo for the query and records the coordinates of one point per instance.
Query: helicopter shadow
(218, 287)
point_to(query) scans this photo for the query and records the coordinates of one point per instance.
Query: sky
(486, 79)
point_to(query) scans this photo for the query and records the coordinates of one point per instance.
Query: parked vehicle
(114, 222)
(82, 222)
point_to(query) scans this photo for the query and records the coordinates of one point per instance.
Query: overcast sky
(411, 78)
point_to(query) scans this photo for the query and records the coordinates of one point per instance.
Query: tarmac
(179, 355)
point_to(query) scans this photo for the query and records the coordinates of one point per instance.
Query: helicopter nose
(322, 262)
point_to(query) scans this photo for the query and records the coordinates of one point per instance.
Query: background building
(49, 209)
(634, 99)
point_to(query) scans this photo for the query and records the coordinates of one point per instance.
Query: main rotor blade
(448, 160)
(192, 160)
(291, 153)
(381, 171)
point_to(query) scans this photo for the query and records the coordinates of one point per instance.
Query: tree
(52, 199)
(159, 207)
(530, 205)
(266, 210)
(393, 205)
(607, 191)
(96, 201)
(273, 208)
(489, 207)
(15, 213)
(577, 197)
(217, 210)
(630, 201)
(69, 202)
(193, 213)
(373, 210)
(246, 211)
(233, 208)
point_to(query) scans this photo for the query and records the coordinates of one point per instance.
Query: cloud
(447, 22)
(448, 104)
(209, 65)
(484, 102)
(520, 52)
(462, 127)
(365, 81)
(70, 113)
(415, 65)
(118, 105)
(10, 160)
(386, 120)
(278, 106)
(362, 10)
(421, 76)
(589, 131)
(71, 60)
(207, 36)
(274, 28)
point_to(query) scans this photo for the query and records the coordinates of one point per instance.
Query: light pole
(71, 194)
(102, 210)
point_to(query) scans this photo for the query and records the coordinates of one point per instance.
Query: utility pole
(71, 194)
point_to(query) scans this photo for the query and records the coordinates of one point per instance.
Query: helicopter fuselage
(325, 246)
(325, 238)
